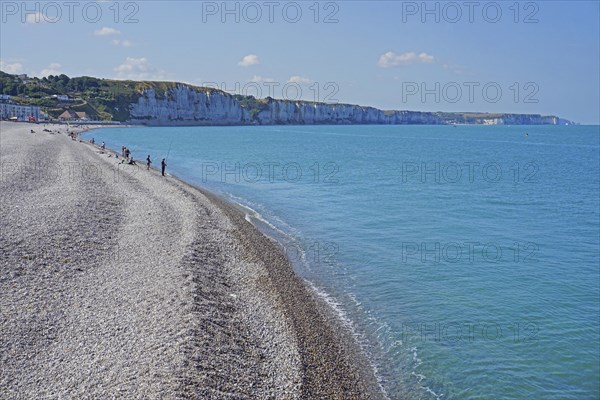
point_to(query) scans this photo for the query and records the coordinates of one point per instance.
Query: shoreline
(286, 280)
(314, 355)
(331, 317)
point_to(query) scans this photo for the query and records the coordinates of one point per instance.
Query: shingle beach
(116, 282)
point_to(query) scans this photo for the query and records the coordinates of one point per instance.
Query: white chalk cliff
(188, 105)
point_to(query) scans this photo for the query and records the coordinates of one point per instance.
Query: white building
(61, 97)
(24, 78)
(19, 111)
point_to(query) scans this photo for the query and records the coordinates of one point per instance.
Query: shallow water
(466, 258)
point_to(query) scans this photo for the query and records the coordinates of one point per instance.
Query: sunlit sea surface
(466, 259)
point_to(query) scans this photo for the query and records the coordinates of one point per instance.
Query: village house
(24, 78)
(70, 115)
(61, 97)
(20, 112)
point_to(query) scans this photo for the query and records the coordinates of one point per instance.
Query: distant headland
(172, 104)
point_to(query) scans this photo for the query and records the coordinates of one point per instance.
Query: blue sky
(504, 56)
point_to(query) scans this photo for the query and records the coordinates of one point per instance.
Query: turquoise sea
(466, 259)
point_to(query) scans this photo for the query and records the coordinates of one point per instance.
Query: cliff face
(183, 105)
(187, 105)
(173, 103)
(286, 112)
(527, 119)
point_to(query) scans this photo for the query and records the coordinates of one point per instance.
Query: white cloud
(261, 79)
(299, 79)
(250, 59)
(139, 69)
(106, 32)
(35, 18)
(14, 68)
(113, 32)
(391, 59)
(52, 69)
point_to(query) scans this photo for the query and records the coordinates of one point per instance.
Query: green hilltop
(110, 100)
(102, 99)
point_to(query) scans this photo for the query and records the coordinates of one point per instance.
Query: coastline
(253, 328)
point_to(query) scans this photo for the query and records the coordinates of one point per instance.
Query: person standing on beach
(103, 146)
(163, 165)
(148, 162)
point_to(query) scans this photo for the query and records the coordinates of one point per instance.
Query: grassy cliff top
(110, 99)
(106, 99)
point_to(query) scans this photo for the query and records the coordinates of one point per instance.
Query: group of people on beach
(126, 153)
(127, 157)
(163, 164)
(73, 134)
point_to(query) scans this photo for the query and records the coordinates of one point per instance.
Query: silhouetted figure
(163, 165)
(148, 162)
